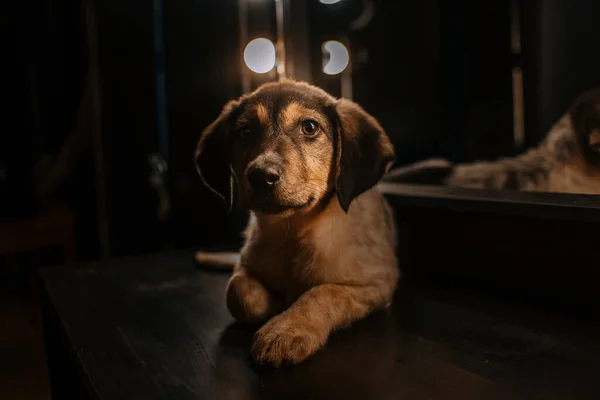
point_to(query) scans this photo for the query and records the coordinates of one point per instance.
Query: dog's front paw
(284, 340)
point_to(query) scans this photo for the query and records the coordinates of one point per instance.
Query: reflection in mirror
(566, 161)
(494, 95)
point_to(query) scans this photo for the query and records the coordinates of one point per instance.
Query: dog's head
(585, 117)
(290, 146)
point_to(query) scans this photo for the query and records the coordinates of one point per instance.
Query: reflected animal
(567, 160)
(319, 250)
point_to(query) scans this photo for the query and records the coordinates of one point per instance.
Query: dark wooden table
(156, 328)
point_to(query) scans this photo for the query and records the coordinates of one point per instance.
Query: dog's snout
(264, 177)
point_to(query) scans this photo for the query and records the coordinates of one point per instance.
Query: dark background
(437, 74)
(91, 89)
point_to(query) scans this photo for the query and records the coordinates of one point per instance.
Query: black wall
(437, 74)
(203, 60)
(561, 58)
(201, 65)
(129, 121)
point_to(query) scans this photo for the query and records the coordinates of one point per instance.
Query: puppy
(320, 246)
(567, 161)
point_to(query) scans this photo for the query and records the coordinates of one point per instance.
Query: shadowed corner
(233, 369)
(238, 335)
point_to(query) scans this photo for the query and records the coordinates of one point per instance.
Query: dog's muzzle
(264, 177)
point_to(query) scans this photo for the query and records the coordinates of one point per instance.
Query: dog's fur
(319, 249)
(567, 161)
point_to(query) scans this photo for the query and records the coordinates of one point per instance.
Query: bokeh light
(259, 55)
(336, 57)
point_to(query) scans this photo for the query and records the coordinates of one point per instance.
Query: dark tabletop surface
(156, 327)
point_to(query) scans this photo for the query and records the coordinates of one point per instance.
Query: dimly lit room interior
(492, 110)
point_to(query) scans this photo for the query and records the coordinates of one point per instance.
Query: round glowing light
(335, 57)
(329, 1)
(259, 55)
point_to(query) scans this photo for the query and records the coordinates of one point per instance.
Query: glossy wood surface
(156, 328)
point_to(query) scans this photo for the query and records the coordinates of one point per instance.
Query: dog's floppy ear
(212, 156)
(585, 117)
(364, 151)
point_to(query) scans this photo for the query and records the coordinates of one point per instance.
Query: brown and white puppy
(567, 160)
(319, 248)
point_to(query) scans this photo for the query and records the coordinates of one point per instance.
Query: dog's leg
(300, 331)
(248, 300)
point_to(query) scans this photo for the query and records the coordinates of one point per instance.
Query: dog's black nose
(264, 178)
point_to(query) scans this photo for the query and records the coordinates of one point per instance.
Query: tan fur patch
(331, 268)
(595, 138)
(574, 177)
(262, 114)
(295, 112)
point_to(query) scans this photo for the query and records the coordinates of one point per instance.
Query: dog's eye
(310, 127)
(244, 132)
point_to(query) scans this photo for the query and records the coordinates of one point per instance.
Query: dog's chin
(275, 207)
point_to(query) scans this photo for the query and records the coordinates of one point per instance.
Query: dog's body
(567, 160)
(320, 245)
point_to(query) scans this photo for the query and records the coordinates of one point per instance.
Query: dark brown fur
(320, 247)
